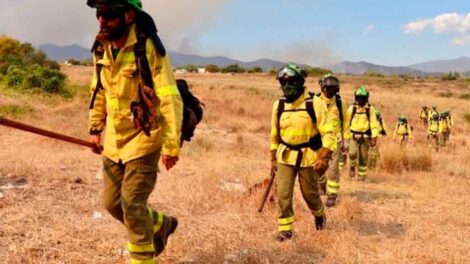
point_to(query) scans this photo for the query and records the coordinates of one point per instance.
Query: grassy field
(403, 213)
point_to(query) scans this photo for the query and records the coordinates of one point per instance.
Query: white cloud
(448, 23)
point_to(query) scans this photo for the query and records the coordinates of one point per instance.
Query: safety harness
(315, 142)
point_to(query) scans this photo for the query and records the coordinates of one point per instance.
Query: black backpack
(192, 106)
(192, 110)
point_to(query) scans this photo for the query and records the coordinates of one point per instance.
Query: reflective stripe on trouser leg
(353, 150)
(332, 174)
(157, 219)
(139, 181)
(285, 180)
(332, 187)
(286, 224)
(363, 157)
(308, 180)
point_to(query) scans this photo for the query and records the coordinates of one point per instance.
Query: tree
(257, 69)
(212, 68)
(233, 68)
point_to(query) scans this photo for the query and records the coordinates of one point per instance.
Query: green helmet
(291, 70)
(137, 4)
(362, 91)
(402, 119)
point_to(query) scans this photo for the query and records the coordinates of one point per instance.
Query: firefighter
(336, 111)
(403, 131)
(434, 131)
(142, 117)
(302, 144)
(363, 132)
(445, 124)
(423, 116)
(374, 153)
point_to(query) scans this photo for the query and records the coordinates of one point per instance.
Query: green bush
(451, 76)
(49, 80)
(317, 71)
(14, 111)
(234, 68)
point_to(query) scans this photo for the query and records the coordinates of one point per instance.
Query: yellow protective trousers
(330, 179)
(127, 188)
(285, 180)
(358, 154)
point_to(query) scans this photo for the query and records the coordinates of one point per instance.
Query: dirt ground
(405, 212)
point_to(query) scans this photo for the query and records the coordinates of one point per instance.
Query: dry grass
(412, 210)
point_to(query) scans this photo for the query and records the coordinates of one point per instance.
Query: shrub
(212, 68)
(233, 68)
(14, 111)
(374, 74)
(451, 76)
(317, 71)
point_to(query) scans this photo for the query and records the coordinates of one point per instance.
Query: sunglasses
(108, 14)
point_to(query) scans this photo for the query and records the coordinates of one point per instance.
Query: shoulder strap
(310, 109)
(368, 113)
(280, 108)
(339, 105)
(352, 114)
(141, 60)
(98, 51)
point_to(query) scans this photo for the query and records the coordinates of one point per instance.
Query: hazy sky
(318, 32)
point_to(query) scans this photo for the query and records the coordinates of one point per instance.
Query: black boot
(331, 200)
(284, 235)
(320, 222)
(161, 237)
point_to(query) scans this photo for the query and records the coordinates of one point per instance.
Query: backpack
(339, 105)
(192, 110)
(192, 106)
(354, 110)
(315, 142)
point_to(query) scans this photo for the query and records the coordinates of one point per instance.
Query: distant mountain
(364, 67)
(62, 53)
(461, 64)
(179, 59)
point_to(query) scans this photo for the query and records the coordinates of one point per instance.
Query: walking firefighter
(302, 143)
(135, 97)
(434, 131)
(403, 131)
(363, 132)
(336, 111)
(445, 125)
(424, 116)
(374, 153)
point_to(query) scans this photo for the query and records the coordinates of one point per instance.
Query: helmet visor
(287, 71)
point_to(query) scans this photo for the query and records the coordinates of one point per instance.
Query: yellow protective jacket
(445, 124)
(434, 126)
(360, 125)
(403, 130)
(332, 115)
(423, 114)
(431, 113)
(112, 105)
(296, 127)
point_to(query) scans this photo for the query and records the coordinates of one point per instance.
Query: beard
(114, 33)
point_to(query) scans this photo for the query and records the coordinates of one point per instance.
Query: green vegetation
(374, 74)
(212, 68)
(317, 71)
(233, 68)
(14, 111)
(451, 76)
(446, 94)
(22, 68)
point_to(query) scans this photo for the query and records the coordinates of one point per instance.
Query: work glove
(273, 161)
(373, 142)
(323, 157)
(145, 111)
